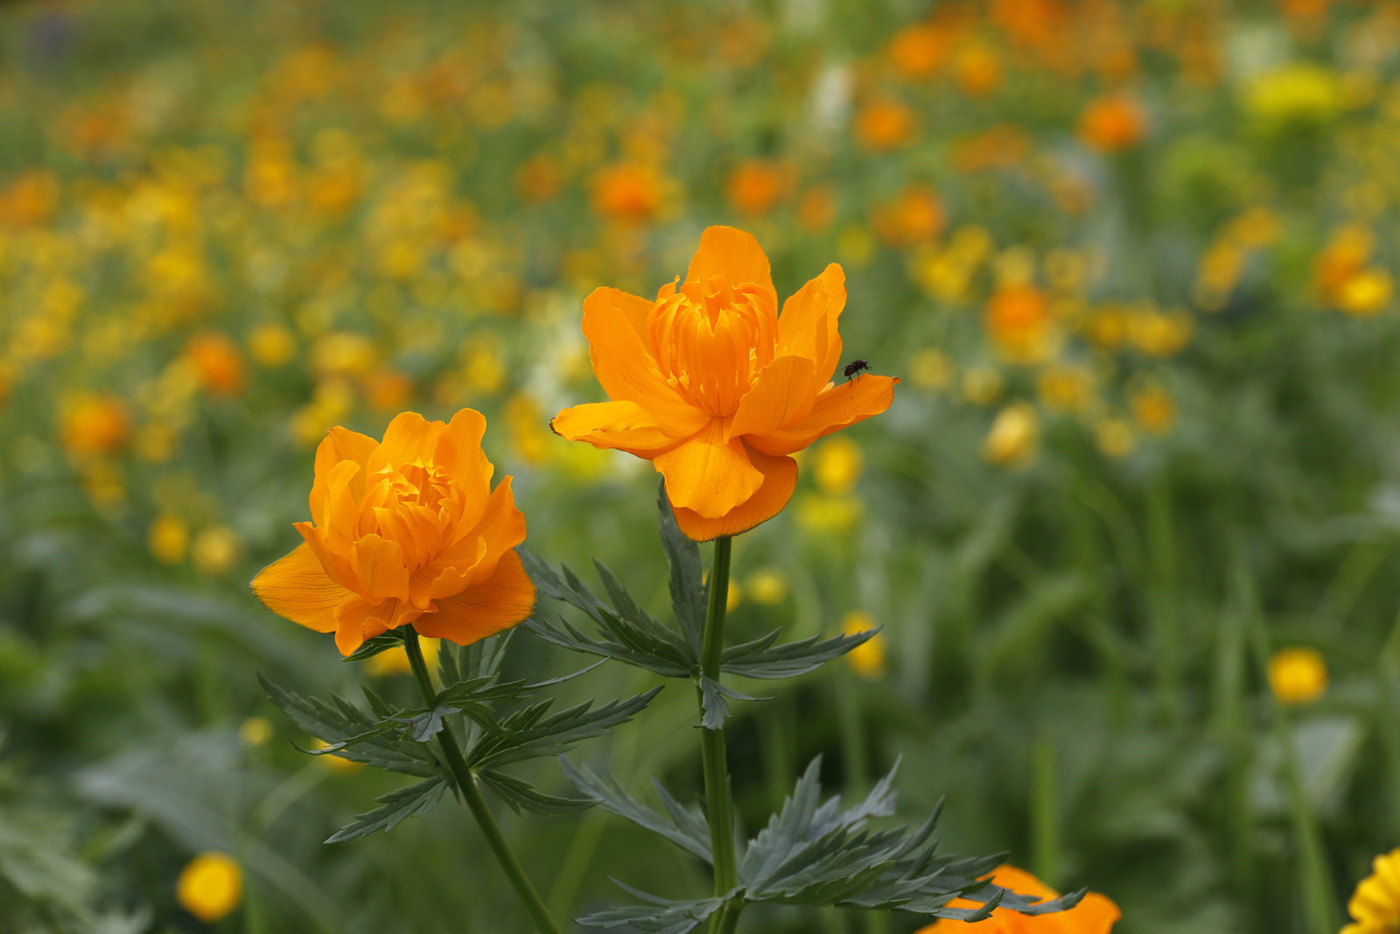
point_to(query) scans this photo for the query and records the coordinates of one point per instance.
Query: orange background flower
(715, 388)
(1095, 913)
(405, 531)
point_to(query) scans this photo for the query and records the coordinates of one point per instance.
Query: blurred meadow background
(1129, 526)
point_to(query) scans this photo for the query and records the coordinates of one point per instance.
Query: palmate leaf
(761, 658)
(358, 735)
(814, 853)
(657, 916)
(529, 733)
(522, 796)
(398, 805)
(817, 854)
(685, 827)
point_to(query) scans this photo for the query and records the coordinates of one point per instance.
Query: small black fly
(854, 367)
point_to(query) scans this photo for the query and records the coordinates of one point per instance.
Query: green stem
(712, 751)
(466, 784)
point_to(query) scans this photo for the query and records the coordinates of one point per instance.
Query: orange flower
(715, 388)
(1112, 123)
(1019, 322)
(915, 216)
(884, 124)
(217, 363)
(628, 193)
(1095, 914)
(94, 425)
(756, 185)
(918, 51)
(405, 531)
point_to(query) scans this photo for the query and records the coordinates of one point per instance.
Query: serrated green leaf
(398, 805)
(372, 647)
(657, 916)
(530, 734)
(338, 722)
(713, 707)
(685, 827)
(627, 632)
(815, 854)
(427, 724)
(762, 659)
(520, 795)
(688, 591)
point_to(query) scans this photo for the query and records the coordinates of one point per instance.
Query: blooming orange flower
(406, 530)
(715, 388)
(1095, 913)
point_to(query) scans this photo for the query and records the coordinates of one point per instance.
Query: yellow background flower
(210, 886)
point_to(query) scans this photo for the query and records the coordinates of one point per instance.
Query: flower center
(416, 505)
(710, 340)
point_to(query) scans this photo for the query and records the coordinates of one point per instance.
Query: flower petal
(622, 360)
(379, 564)
(336, 565)
(623, 426)
(784, 392)
(459, 452)
(357, 620)
(807, 326)
(485, 608)
(734, 256)
(338, 446)
(779, 480)
(474, 556)
(836, 407)
(707, 474)
(409, 437)
(297, 587)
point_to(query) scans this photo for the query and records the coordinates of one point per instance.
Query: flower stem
(466, 784)
(712, 751)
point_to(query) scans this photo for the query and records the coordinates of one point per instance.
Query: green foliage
(397, 739)
(814, 854)
(632, 635)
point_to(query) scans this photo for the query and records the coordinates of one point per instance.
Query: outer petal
(336, 565)
(339, 445)
(357, 620)
(460, 455)
(779, 480)
(707, 474)
(733, 255)
(623, 362)
(483, 609)
(297, 586)
(841, 405)
(624, 426)
(807, 326)
(784, 392)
